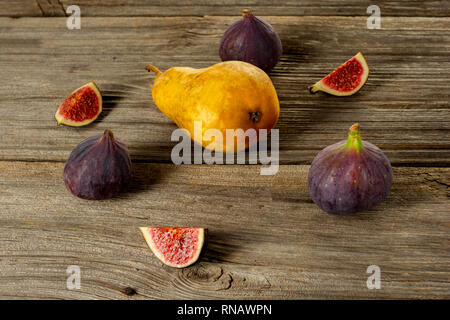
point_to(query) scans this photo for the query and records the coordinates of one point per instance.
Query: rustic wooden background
(267, 239)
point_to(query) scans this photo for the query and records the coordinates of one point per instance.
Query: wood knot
(200, 272)
(206, 276)
(129, 291)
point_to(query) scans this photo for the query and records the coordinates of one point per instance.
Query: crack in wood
(40, 8)
(62, 7)
(435, 180)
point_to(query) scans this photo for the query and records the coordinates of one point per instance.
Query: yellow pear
(228, 95)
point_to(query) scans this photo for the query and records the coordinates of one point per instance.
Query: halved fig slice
(346, 79)
(81, 107)
(174, 246)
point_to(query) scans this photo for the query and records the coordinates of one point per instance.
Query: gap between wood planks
(140, 161)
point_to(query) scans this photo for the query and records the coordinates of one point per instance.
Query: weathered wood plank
(215, 7)
(404, 107)
(267, 239)
(20, 8)
(51, 8)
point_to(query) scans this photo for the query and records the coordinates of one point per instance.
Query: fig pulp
(345, 80)
(81, 107)
(98, 168)
(176, 247)
(252, 40)
(349, 176)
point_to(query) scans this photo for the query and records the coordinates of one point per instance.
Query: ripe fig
(251, 40)
(346, 79)
(81, 107)
(98, 168)
(349, 176)
(176, 247)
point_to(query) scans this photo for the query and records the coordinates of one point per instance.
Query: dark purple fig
(349, 176)
(251, 40)
(98, 168)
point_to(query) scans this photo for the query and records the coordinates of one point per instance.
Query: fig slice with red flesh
(81, 107)
(175, 246)
(346, 79)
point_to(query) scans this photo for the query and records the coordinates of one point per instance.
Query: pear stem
(354, 141)
(153, 68)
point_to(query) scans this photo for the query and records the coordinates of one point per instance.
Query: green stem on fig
(354, 141)
(246, 12)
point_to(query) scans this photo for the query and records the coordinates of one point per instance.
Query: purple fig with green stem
(350, 176)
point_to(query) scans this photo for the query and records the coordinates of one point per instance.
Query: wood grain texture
(267, 239)
(20, 8)
(403, 108)
(440, 8)
(51, 8)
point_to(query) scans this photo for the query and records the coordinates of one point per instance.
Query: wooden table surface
(267, 239)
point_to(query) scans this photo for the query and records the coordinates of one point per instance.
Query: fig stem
(109, 133)
(354, 129)
(246, 12)
(153, 68)
(313, 89)
(354, 141)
